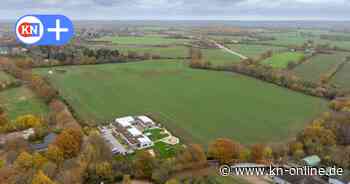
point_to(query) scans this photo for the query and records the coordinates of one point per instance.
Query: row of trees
(144, 166)
(78, 55)
(228, 151)
(63, 155)
(197, 60)
(60, 113)
(71, 55)
(38, 84)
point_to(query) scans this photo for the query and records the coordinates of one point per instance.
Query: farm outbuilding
(312, 161)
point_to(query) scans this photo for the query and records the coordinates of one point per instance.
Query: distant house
(4, 50)
(312, 161)
(27, 133)
(146, 121)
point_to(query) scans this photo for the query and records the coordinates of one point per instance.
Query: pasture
(286, 38)
(219, 57)
(281, 60)
(253, 51)
(21, 101)
(143, 40)
(196, 105)
(168, 52)
(299, 37)
(342, 77)
(4, 77)
(313, 69)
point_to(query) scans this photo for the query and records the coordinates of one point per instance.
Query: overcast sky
(181, 9)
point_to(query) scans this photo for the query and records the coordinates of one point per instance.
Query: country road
(229, 50)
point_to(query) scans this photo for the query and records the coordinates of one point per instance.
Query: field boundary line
(332, 72)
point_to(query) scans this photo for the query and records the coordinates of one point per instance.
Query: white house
(125, 121)
(145, 142)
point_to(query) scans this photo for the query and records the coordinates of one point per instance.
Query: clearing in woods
(21, 101)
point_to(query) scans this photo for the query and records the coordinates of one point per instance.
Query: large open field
(5, 77)
(318, 65)
(342, 78)
(287, 38)
(253, 51)
(144, 40)
(299, 37)
(219, 57)
(21, 101)
(169, 52)
(196, 105)
(281, 60)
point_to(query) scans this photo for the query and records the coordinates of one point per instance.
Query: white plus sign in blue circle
(58, 30)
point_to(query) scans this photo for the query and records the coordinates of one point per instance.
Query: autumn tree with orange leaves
(69, 142)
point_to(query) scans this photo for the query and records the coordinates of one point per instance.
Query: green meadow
(342, 77)
(196, 105)
(21, 101)
(169, 52)
(219, 57)
(281, 60)
(253, 51)
(319, 65)
(4, 77)
(143, 40)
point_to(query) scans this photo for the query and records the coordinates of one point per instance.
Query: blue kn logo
(44, 30)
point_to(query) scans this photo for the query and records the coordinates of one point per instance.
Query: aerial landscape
(171, 92)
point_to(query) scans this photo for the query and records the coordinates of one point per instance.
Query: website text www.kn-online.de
(227, 170)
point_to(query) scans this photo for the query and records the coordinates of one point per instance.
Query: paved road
(229, 50)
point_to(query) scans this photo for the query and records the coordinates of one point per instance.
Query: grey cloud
(125, 9)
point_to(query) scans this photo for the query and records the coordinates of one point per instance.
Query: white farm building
(125, 134)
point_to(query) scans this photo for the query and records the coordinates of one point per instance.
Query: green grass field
(197, 105)
(317, 66)
(286, 38)
(281, 60)
(4, 77)
(21, 101)
(145, 40)
(219, 57)
(156, 134)
(296, 38)
(252, 51)
(171, 52)
(166, 150)
(342, 78)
